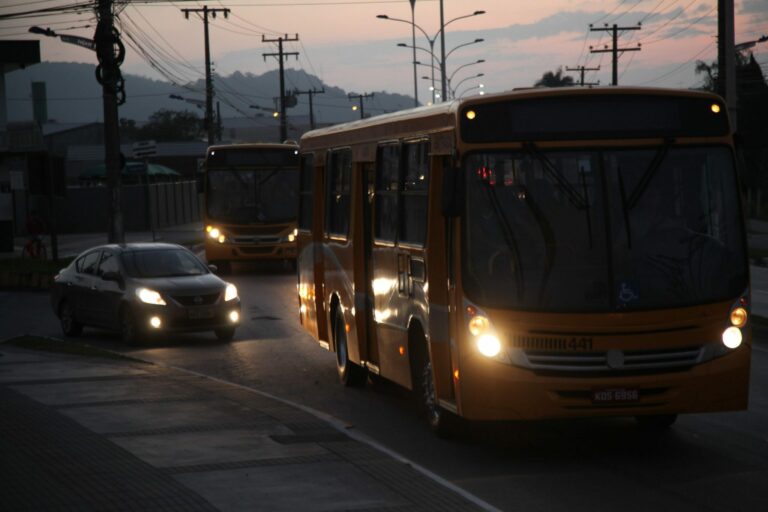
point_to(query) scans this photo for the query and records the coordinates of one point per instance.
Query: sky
(346, 45)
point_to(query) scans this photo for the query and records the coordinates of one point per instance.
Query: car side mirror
(213, 268)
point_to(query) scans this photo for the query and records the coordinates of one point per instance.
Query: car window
(162, 263)
(108, 264)
(87, 263)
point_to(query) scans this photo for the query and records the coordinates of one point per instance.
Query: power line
(614, 50)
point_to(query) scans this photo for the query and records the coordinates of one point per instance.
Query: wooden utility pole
(615, 49)
(582, 70)
(205, 11)
(310, 93)
(360, 98)
(280, 57)
(110, 53)
(726, 57)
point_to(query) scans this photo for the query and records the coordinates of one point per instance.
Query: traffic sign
(144, 148)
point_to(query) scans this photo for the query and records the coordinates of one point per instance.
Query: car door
(108, 293)
(88, 288)
(77, 291)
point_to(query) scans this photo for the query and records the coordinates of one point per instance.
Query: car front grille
(197, 300)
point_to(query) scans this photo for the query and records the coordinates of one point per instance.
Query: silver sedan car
(143, 289)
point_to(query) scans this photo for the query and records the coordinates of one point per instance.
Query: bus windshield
(252, 196)
(602, 230)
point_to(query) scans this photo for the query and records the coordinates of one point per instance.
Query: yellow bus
(251, 203)
(547, 253)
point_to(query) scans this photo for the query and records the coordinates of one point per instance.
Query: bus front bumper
(490, 390)
(215, 251)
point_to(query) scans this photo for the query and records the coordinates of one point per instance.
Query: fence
(144, 207)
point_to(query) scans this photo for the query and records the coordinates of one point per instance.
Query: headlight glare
(489, 345)
(478, 325)
(230, 293)
(150, 296)
(732, 337)
(739, 317)
(214, 233)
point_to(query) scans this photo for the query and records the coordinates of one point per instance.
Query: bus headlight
(739, 317)
(230, 293)
(150, 297)
(489, 345)
(213, 232)
(732, 337)
(478, 325)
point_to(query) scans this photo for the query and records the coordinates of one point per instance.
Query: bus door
(397, 254)
(365, 302)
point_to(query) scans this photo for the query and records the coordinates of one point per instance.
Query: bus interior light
(732, 337)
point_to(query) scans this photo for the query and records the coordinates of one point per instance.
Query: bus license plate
(615, 395)
(197, 314)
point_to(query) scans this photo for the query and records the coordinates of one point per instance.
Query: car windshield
(162, 263)
(249, 196)
(610, 230)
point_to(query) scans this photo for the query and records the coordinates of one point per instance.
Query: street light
(454, 89)
(479, 86)
(273, 111)
(750, 44)
(432, 40)
(478, 61)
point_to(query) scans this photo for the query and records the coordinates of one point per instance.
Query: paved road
(707, 462)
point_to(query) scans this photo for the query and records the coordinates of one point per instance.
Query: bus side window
(386, 197)
(413, 222)
(338, 192)
(306, 190)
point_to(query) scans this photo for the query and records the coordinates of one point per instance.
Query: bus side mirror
(453, 192)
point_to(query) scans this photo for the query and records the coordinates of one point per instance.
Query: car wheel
(69, 325)
(129, 328)
(350, 374)
(225, 333)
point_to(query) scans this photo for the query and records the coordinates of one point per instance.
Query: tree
(169, 126)
(556, 79)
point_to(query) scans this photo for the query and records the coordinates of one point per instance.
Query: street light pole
(413, 39)
(454, 89)
(442, 53)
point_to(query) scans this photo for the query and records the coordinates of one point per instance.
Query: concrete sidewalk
(79, 432)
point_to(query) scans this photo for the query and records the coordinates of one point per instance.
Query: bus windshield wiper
(509, 237)
(573, 195)
(658, 158)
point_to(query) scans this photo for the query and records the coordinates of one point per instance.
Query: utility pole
(726, 57)
(110, 53)
(209, 124)
(360, 98)
(218, 120)
(280, 56)
(581, 70)
(413, 44)
(615, 49)
(443, 80)
(310, 93)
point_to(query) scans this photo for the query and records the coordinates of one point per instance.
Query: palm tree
(556, 79)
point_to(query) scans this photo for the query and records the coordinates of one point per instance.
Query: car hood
(183, 285)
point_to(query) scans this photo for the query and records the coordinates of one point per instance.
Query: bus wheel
(442, 422)
(224, 267)
(350, 374)
(658, 422)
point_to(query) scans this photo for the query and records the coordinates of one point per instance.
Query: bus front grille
(614, 360)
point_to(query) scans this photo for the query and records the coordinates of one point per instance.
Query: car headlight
(230, 293)
(150, 296)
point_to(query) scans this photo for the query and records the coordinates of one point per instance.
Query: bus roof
(253, 145)
(443, 116)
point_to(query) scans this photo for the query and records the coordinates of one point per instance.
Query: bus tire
(224, 267)
(656, 422)
(350, 374)
(443, 423)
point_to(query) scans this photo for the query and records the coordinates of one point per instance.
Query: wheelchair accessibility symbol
(627, 294)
